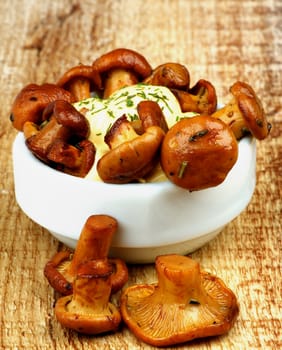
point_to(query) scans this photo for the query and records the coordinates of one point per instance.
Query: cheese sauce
(102, 113)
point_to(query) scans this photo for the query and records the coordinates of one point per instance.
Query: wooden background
(221, 41)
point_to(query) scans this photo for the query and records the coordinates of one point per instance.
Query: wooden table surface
(221, 41)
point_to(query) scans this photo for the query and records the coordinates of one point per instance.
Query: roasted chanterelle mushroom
(201, 98)
(80, 80)
(61, 140)
(93, 244)
(32, 100)
(131, 156)
(185, 304)
(88, 310)
(244, 113)
(129, 111)
(198, 152)
(121, 67)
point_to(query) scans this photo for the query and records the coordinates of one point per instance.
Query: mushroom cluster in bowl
(120, 138)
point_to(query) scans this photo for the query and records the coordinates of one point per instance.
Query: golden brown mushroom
(80, 81)
(185, 304)
(201, 98)
(61, 141)
(32, 100)
(244, 113)
(198, 152)
(171, 75)
(131, 156)
(89, 310)
(93, 244)
(150, 114)
(121, 67)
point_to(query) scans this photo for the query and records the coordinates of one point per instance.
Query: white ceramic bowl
(154, 218)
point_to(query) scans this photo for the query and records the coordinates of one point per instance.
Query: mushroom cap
(185, 304)
(87, 324)
(32, 100)
(171, 75)
(251, 109)
(125, 59)
(131, 160)
(198, 152)
(69, 117)
(80, 72)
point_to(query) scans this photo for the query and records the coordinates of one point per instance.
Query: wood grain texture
(221, 41)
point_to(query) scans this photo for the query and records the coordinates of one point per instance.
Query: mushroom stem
(88, 310)
(178, 279)
(230, 114)
(80, 88)
(91, 288)
(94, 242)
(117, 79)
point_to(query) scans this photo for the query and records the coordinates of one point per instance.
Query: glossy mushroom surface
(244, 113)
(32, 100)
(61, 140)
(171, 75)
(80, 80)
(89, 310)
(121, 67)
(201, 98)
(186, 303)
(198, 152)
(93, 244)
(131, 156)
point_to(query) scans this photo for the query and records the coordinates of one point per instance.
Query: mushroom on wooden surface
(32, 100)
(244, 113)
(89, 310)
(93, 244)
(186, 303)
(121, 67)
(198, 152)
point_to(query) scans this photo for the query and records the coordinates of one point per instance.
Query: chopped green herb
(182, 169)
(109, 127)
(111, 114)
(141, 94)
(129, 102)
(83, 102)
(97, 110)
(132, 117)
(162, 98)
